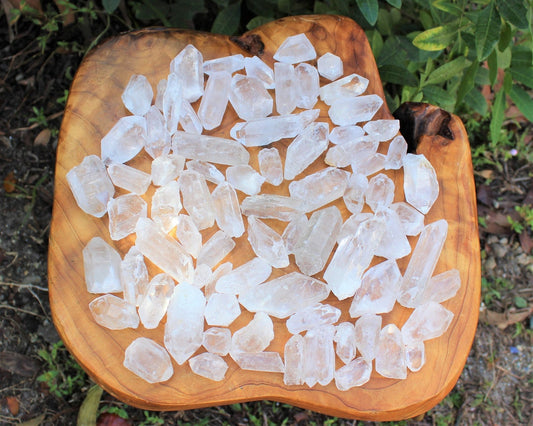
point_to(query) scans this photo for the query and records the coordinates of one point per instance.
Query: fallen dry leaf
(505, 319)
(43, 137)
(36, 421)
(9, 182)
(13, 405)
(526, 242)
(19, 364)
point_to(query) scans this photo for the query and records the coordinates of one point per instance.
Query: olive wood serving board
(93, 107)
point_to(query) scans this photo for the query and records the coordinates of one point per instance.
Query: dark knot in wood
(251, 43)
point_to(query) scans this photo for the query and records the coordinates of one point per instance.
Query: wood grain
(93, 107)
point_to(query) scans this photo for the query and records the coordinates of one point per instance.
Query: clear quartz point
(355, 373)
(160, 92)
(134, 276)
(217, 340)
(344, 339)
(157, 134)
(294, 231)
(166, 168)
(415, 356)
(229, 64)
(420, 183)
(380, 192)
(272, 206)
(222, 270)
(244, 178)
(256, 68)
(307, 85)
(227, 210)
(354, 196)
(353, 110)
(189, 66)
(113, 312)
(153, 306)
(311, 317)
(249, 98)
(394, 243)
(215, 100)
(426, 322)
(148, 360)
(209, 148)
(129, 178)
(370, 165)
(350, 225)
(396, 153)
(412, 220)
(295, 49)
(189, 120)
(270, 165)
(342, 155)
(267, 243)
(138, 94)
(382, 130)
(319, 359)
(294, 360)
(101, 264)
(343, 134)
(222, 309)
(172, 102)
(255, 336)
(215, 249)
(208, 365)
(245, 277)
(347, 87)
(202, 274)
(124, 141)
(197, 199)
(269, 362)
(367, 329)
(207, 170)
(442, 287)
(166, 205)
(330, 66)
(390, 353)
(286, 88)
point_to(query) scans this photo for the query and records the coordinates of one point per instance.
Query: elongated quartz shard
(344, 339)
(316, 243)
(369, 165)
(390, 353)
(271, 206)
(380, 192)
(394, 244)
(197, 199)
(189, 120)
(129, 178)
(255, 336)
(347, 87)
(172, 102)
(222, 309)
(229, 64)
(207, 170)
(285, 295)
(343, 134)
(295, 49)
(330, 66)
(270, 165)
(137, 96)
(166, 168)
(267, 243)
(91, 186)
(227, 210)
(210, 286)
(249, 98)
(422, 263)
(319, 360)
(214, 102)
(217, 340)
(209, 365)
(155, 302)
(134, 276)
(215, 249)
(426, 322)
(367, 329)
(101, 264)
(245, 277)
(124, 211)
(305, 149)
(320, 188)
(354, 196)
(209, 148)
(202, 274)
(255, 67)
(148, 360)
(160, 92)
(185, 322)
(396, 153)
(166, 205)
(124, 141)
(113, 312)
(412, 220)
(244, 178)
(311, 317)
(442, 287)
(269, 362)
(415, 356)
(294, 360)
(420, 183)
(350, 225)
(382, 130)
(286, 90)
(348, 111)
(355, 373)
(189, 66)
(164, 251)
(307, 87)
(346, 153)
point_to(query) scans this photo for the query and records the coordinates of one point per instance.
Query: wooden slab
(94, 106)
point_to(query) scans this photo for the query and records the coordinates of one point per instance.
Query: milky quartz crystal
(396, 153)
(134, 276)
(123, 212)
(209, 148)
(420, 183)
(319, 355)
(160, 92)
(285, 295)
(269, 362)
(148, 360)
(215, 249)
(166, 168)
(255, 336)
(202, 274)
(295, 49)
(380, 192)
(344, 339)
(353, 110)
(286, 89)
(208, 365)
(367, 329)
(154, 303)
(188, 65)
(294, 360)
(311, 317)
(346, 153)
(210, 286)
(166, 205)
(101, 264)
(442, 287)
(222, 309)
(354, 196)
(172, 102)
(197, 199)
(294, 231)
(189, 120)
(394, 244)
(228, 64)
(347, 87)
(308, 84)
(415, 355)
(125, 140)
(412, 220)
(245, 277)
(270, 165)
(215, 100)
(350, 225)
(369, 165)
(267, 243)
(382, 130)
(249, 98)
(245, 179)
(343, 134)
(113, 312)
(129, 178)
(390, 353)
(217, 340)
(91, 186)
(272, 206)
(207, 170)
(330, 66)
(426, 322)
(227, 210)
(256, 68)
(355, 373)
(137, 96)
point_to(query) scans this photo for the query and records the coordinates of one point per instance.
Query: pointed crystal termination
(269, 362)
(197, 199)
(157, 135)
(91, 186)
(294, 360)
(215, 249)
(355, 373)
(172, 102)
(166, 206)
(129, 178)
(319, 359)
(138, 94)
(124, 211)
(354, 196)
(124, 141)
(113, 312)
(160, 92)
(426, 322)
(378, 291)
(217, 340)
(370, 165)
(249, 98)
(315, 245)
(256, 68)
(222, 309)
(244, 178)
(343, 134)
(396, 153)
(305, 149)
(420, 183)
(330, 66)
(367, 329)
(320, 188)
(185, 322)
(294, 231)
(215, 100)
(134, 276)
(148, 360)
(380, 192)
(255, 336)
(422, 263)
(189, 66)
(312, 317)
(394, 244)
(286, 92)
(155, 302)
(346, 153)
(345, 341)
(295, 49)
(350, 225)
(270, 165)
(207, 170)
(347, 87)
(415, 356)
(267, 243)
(245, 277)
(271, 129)
(352, 257)
(189, 120)
(271, 206)
(210, 148)
(412, 220)
(164, 251)
(348, 111)
(101, 264)
(307, 86)
(382, 130)
(285, 295)
(227, 210)
(442, 287)
(209, 365)
(188, 235)
(390, 353)
(228, 64)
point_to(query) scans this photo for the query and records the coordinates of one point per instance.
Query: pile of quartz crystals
(195, 288)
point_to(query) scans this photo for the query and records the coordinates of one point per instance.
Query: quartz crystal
(155, 302)
(215, 249)
(353, 110)
(217, 340)
(272, 206)
(172, 102)
(316, 243)
(269, 362)
(412, 220)
(420, 183)
(255, 336)
(307, 85)
(163, 250)
(134, 276)
(189, 66)
(396, 153)
(249, 98)
(285, 295)
(222, 270)
(347, 87)
(124, 141)
(394, 244)
(256, 68)
(189, 120)
(355, 373)
(129, 178)
(370, 165)
(367, 329)
(330, 66)
(415, 356)
(207, 170)
(185, 322)
(160, 92)
(311, 317)
(197, 199)
(286, 88)
(380, 192)
(343, 134)
(442, 287)
(305, 149)
(91, 186)
(166, 205)
(382, 130)
(390, 353)
(294, 231)
(202, 274)
(113, 312)
(210, 148)
(227, 210)
(101, 264)
(245, 277)
(270, 165)
(229, 64)
(294, 360)
(348, 152)
(148, 360)
(245, 179)
(123, 212)
(267, 243)
(208, 365)
(222, 309)
(426, 322)
(344, 339)
(350, 225)
(354, 196)
(319, 355)
(166, 168)
(138, 94)
(295, 49)
(215, 100)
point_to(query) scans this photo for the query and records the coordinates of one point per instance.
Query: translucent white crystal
(208, 365)
(155, 302)
(101, 264)
(207, 170)
(394, 244)
(222, 309)
(227, 210)
(209, 148)
(246, 276)
(267, 243)
(412, 220)
(286, 88)
(269, 362)
(426, 322)
(189, 120)
(215, 249)
(160, 92)
(380, 192)
(347, 87)
(222, 270)
(343, 134)
(124, 141)
(166, 168)
(188, 65)
(353, 110)
(390, 353)
(228, 64)
(308, 84)
(148, 360)
(255, 67)
(354, 196)
(249, 98)
(202, 274)
(137, 96)
(311, 317)
(382, 130)
(270, 165)
(396, 153)
(420, 183)
(344, 339)
(330, 66)
(415, 356)
(215, 100)
(367, 329)
(355, 373)
(350, 225)
(91, 186)
(217, 340)
(129, 178)
(370, 165)
(166, 205)
(272, 206)
(346, 153)
(295, 49)
(123, 212)
(294, 231)
(294, 360)
(134, 276)
(113, 312)
(255, 336)
(197, 199)
(442, 287)
(172, 102)
(245, 179)
(319, 359)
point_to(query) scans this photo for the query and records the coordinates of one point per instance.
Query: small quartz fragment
(209, 148)
(172, 102)
(114, 313)
(189, 66)
(215, 100)
(307, 86)
(123, 212)
(222, 270)
(217, 340)
(197, 199)
(227, 210)
(269, 362)
(347, 87)
(245, 179)
(256, 68)
(166, 168)
(101, 264)
(272, 206)
(294, 360)
(394, 244)
(370, 165)
(270, 165)
(354, 196)
(222, 309)
(330, 66)
(229, 64)
(382, 130)
(294, 231)
(353, 110)
(344, 339)
(255, 336)
(125, 140)
(415, 356)
(189, 120)
(166, 205)
(160, 92)
(207, 170)
(367, 329)
(420, 183)
(208, 365)
(412, 220)
(355, 373)
(155, 302)
(348, 152)
(295, 49)
(350, 225)
(380, 192)
(267, 243)
(215, 249)
(442, 287)
(202, 274)
(396, 153)
(343, 134)
(148, 360)
(311, 317)
(129, 178)
(134, 276)
(249, 98)
(286, 88)
(138, 94)
(245, 277)
(390, 353)
(426, 322)
(319, 355)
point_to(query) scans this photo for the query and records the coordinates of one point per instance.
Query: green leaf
(504, 58)
(436, 38)
(492, 62)
(89, 407)
(506, 35)
(507, 82)
(110, 5)
(395, 3)
(438, 96)
(522, 57)
(384, 24)
(376, 41)
(448, 70)
(467, 83)
(477, 102)
(227, 21)
(520, 302)
(258, 21)
(523, 75)
(447, 7)
(487, 31)
(369, 9)
(182, 13)
(498, 110)
(522, 100)
(397, 75)
(514, 11)
(262, 7)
